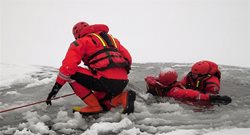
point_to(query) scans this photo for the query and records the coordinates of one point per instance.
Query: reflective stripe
(202, 80)
(71, 81)
(113, 40)
(103, 43)
(66, 77)
(197, 84)
(199, 97)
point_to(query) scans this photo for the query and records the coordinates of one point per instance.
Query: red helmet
(201, 67)
(167, 76)
(77, 29)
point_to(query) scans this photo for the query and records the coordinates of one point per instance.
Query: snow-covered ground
(20, 85)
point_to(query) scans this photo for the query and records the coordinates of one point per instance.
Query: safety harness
(200, 83)
(108, 56)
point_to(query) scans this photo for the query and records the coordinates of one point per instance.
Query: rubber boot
(104, 101)
(92, 107)
(126, 99)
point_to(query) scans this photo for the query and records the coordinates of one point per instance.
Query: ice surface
(160, 116)
(22, 75)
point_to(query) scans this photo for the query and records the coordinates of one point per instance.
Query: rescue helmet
(168, 76)
(200, 68)
(77, 29)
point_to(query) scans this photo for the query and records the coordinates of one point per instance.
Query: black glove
(53, 93)
(152, 91)
(156, 91)
(128, 68)
(220, 99)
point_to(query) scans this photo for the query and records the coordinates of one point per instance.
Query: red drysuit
(207, 83)
(176, 90)
(90, 50)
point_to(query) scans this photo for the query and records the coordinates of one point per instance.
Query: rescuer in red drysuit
(204, 77)
(101, 85)
(166, 85)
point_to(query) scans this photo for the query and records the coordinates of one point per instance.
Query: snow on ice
(161, 116)
(23, 75)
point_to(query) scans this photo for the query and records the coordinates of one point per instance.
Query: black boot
(129, 108)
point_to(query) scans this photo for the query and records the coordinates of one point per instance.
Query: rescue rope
(34, 103)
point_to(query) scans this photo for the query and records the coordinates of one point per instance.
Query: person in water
(166, 85)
